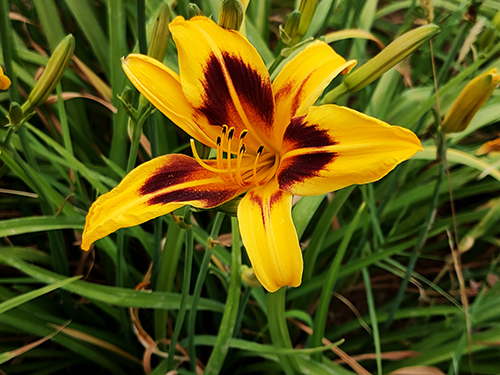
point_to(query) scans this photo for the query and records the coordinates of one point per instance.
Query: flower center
(239, 165)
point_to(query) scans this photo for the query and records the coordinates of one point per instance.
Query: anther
(239, 179)
(243, 133)
(256, 161)
(231, 134)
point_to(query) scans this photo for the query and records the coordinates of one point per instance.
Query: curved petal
(302, 80)
(269, 236)
(333, 147)
(161, 86)
(224, 78)
(155, 188)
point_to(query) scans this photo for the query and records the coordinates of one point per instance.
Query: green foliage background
(380, 273)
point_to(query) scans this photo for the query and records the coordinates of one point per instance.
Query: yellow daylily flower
(4, 80)
(269, 140)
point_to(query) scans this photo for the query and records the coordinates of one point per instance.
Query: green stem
(279, 330)
(8, 49)
(188, 265)
(322, 229)
(167, 270)
(209, 250)
(226, 329)
(326, 293)
(141, 26)
(373, 318)
(117, 49)
(421, 240)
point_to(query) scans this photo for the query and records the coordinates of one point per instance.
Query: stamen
(243, 133)
(238, 164)
(229, 153)
(272, 172)
(259, 152)
(218, 156)
(242, 136)
(201, 162)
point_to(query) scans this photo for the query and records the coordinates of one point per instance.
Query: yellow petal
(4, 80)
(303, 79)
(334, 147)
(162, 87)
(155, 188)
(269, 236)
(224, 78)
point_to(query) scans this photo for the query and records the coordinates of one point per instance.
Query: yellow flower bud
(469, 101)
(381, 63)
(160, 35)
(194, 10)
(4, 80)
(52, 74)
(291, 28)
(248, 277)
(490, 146)
(231, 14)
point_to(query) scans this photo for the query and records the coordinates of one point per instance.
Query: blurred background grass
(382, 269)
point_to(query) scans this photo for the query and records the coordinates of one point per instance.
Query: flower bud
(230, 208)
(248, 277)
(469, 101)
(126, 98)
(52, 74)
(385, 60)
(194, 10)
(307, 8)
(291, 28)
(15, 114)
(428, 8)
(490, 146)
(160, 35)
(231, 14)
(4, 80)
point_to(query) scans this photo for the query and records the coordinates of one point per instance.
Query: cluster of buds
(469, 101)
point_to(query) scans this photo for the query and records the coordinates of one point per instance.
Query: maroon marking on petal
(179, 169)
(276, 198)
(217, 95)
(284, 91)
(250, 86)
(218, 105)
(287, 90)
(257, 200)
(212, 197)
(303, 167)
(301, 134)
